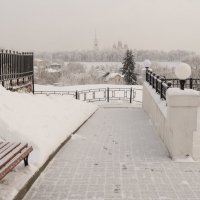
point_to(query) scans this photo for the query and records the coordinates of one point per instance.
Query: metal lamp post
(147, 64)
(182, 72)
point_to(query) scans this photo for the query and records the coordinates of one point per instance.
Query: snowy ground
(117, 155)
(42, 121)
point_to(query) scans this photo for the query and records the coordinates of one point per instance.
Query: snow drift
(44, 122)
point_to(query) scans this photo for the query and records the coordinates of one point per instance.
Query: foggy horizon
(66, 25)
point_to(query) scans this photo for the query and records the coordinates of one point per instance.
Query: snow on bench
(11, 154)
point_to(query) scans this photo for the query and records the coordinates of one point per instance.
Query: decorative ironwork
(99, 94)
(161, 84)
(16, 69)
(190, 83)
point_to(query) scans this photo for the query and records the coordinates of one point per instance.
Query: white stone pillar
(182, 121)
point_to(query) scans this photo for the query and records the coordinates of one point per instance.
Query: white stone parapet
(177, 120)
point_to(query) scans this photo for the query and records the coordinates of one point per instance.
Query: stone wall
(176, 120)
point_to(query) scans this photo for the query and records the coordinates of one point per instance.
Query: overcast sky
(48, 25)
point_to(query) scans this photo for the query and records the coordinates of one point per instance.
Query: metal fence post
(9, 65)
(131, 91)
(84, 96)
(157, 77)
(191, 83)
(93, 95)
(108, 94)
(6, 64)
(32, 68)
(150, 77)
(1, 63)
(153, 81)
(161, 88)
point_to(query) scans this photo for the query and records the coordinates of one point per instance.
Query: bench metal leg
(26, 161)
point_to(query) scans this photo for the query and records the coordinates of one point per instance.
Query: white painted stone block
(177, 120)
(182, 98)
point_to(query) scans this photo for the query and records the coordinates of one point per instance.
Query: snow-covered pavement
(116, 155)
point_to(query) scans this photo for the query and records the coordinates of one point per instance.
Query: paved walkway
(116, 155)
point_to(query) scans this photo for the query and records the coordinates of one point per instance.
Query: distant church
(120, 46)
(96, 45)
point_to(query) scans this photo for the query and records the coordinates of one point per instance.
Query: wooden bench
(11, 154)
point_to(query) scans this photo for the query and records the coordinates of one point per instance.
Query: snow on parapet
(177, 91)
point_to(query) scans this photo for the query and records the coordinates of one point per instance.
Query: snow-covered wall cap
(183, 98)
(144, 70)
(150, 69)
(177, 91)
(182, 71)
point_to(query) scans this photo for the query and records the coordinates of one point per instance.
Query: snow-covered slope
(42, 121)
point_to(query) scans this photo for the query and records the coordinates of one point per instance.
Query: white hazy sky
(48, 25)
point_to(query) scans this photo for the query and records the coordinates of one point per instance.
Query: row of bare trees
(113, 55)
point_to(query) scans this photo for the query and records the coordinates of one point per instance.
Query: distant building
(114, 78)
(120, 46)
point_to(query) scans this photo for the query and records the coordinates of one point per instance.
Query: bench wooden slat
(5, 147)
(10, 156)
(3, 144)
(14, 161)
(9, 150)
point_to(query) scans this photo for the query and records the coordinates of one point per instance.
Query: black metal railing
(99, 94)
(190, 83)
(16, 68)
(161, 84)
(158, 83)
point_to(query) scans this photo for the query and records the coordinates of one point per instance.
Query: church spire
(96, 46)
